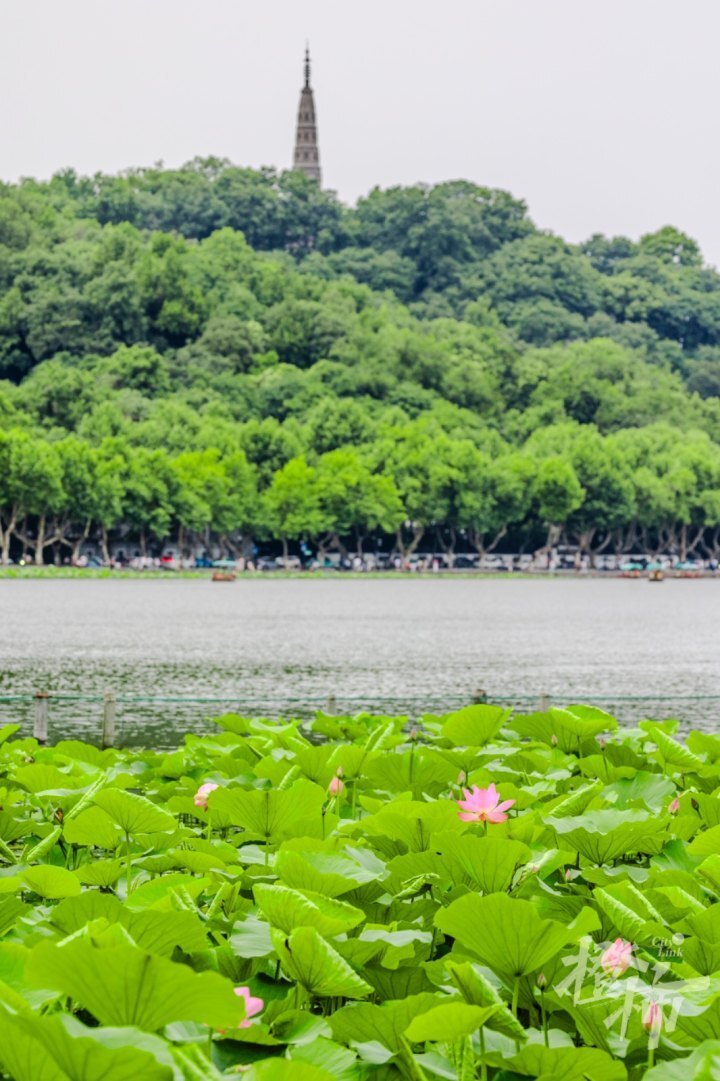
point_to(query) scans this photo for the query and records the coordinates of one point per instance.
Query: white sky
(602, 114)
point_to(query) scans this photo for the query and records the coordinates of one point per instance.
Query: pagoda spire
(307, 153)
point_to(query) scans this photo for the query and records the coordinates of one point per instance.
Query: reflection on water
(404, 645)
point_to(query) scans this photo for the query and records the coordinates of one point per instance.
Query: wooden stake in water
(109, 713)
(331, 708)
(545, 703)
(40, 723)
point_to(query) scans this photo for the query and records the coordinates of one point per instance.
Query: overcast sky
(601, 114)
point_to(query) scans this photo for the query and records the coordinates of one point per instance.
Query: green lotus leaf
(11, 909)
(474, 726)
(365, 1023)
(631, 914)
(271, 813)
(424, 771)
(703, 1064)
(478, 991)
(134, 814)
(509, 936)
(43, 777)
(287, 1070)
(570, 727)
(651, 791)
(103, 873)
(56, 1048)
(73, 913)
(709, 808)
(161, 892)
(602, 836)
(51, 882)
(161, 932)
(324, 871)
(487, 862)
(287, 909)
(121, 984)
(706, 843)
(670, 752)
(413, 823)
(322, 1053)
(307, 958)
(574, 803)
(448, 1021)
(567, 1064)
(252, 938)
(93, 828)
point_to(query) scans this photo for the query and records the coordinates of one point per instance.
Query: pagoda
(307, 153)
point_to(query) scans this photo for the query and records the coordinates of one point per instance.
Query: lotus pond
(485, 895)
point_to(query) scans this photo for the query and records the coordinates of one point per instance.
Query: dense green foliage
(216, 351)
(325, 869)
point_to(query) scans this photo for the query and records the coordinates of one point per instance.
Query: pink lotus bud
(553, 740)
(617, 958)
(602, 742)
(674, 806)
(200, 799)
(652, 1020)
(414, 733)
(336, 786)
(253, 1005)
(568, 874)
(462, 777)
(542, 981)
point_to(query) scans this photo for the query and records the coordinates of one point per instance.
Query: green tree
(292, 504)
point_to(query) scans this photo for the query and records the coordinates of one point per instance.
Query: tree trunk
(79, 541)
(6, 536)
(181, 543)
(104, 544)
(407, 551)
(285, 552)
(449, 548)
(143, 543)
(40, 542)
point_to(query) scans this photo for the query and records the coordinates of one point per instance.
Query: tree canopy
(225, 354)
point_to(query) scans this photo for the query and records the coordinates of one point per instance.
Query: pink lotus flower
(652, 1020)
(617, 958)
(674, 806)
(200, 799)
(481, 805)
(336, 786)
(253, 1005)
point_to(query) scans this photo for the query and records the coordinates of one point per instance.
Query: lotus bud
(553, 740)
(674, 806)
(568, 874)
(602, 743)
(462, 777)
(414, 733)
(617, 958)
(200, 799)
(542, 981)
(652, 1020)
(336, 786)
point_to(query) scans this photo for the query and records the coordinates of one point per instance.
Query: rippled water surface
(404, 645)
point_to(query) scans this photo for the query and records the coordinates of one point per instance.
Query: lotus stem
(515, 996)
(483, 1063)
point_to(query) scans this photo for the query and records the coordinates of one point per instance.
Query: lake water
(273, 646)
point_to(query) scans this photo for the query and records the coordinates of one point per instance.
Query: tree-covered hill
(218, 351)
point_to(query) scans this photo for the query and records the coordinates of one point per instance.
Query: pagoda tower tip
(307, 152)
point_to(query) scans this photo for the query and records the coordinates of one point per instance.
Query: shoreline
(53, 573)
